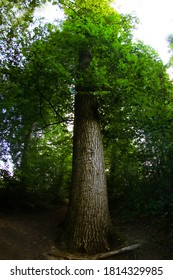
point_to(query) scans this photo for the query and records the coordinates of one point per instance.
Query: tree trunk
(24, 160)
(88, 221)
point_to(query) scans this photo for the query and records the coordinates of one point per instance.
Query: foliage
(46, 54)
(25, 123)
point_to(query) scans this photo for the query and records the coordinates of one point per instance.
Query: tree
(170, 41)
(88, 224)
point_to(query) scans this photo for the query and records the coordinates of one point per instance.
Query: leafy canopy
(41, 71)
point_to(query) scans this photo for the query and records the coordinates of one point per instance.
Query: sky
(156, 21)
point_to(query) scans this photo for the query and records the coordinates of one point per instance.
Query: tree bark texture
(88, 221)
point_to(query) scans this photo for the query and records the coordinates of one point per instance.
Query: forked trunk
(88, 222)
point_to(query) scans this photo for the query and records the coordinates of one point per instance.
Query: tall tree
(94, 25)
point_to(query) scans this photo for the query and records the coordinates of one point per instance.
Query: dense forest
(86, 123)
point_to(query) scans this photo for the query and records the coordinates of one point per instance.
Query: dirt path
(29, 235)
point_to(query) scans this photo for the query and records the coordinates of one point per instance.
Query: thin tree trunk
(24, 160)
(88, 222)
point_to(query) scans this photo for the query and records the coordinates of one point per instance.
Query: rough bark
(88, 222)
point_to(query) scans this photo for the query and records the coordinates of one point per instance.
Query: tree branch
(116, 252)
(51, 124)
(54, 109)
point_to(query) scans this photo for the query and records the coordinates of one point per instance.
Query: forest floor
(29, 235)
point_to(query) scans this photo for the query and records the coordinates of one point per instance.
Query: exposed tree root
(116, 252)
(55, 254)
